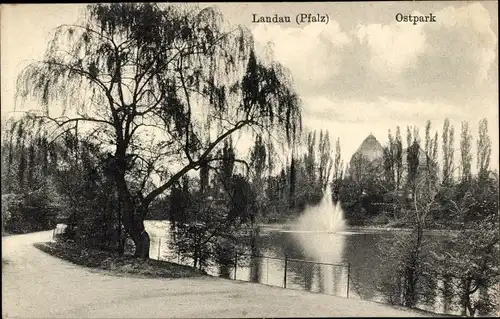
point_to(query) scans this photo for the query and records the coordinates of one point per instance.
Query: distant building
(370, 149)
(368, 160)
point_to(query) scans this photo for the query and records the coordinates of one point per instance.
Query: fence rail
(289, 268)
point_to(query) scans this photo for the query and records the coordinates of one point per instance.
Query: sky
(361, 73)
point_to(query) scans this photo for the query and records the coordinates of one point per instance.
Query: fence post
(53, 234)
(267, 271)
(235, 264)
(159, 247)
(286, 265)
(348, 277)
(178, 256)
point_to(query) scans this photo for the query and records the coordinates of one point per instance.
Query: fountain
(320, 232)
(324, 217)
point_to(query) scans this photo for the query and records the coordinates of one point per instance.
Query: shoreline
(372, 228)
(277, 226)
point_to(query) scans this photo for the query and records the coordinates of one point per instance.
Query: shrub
(32, 211)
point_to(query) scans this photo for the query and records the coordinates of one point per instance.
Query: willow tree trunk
(142, 245)
(133, 213)
(133, 209)
(133, 221)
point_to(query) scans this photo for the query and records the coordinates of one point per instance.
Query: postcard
(227, 160)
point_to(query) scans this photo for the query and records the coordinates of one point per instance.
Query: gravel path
(37, 285)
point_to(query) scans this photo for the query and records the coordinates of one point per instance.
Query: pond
(344, 264)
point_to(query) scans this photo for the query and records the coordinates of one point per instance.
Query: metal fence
(286, 272)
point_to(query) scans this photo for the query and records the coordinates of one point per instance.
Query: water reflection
(255, 269)
(325, 248)
(225, 271)
(255, 262)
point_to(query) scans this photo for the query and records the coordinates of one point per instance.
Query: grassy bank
(109, 261)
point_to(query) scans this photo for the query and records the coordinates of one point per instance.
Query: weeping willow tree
(25, 159)
(162, 87)
(26, 155)
(31, 161)
(45, 176)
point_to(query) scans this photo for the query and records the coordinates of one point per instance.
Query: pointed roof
(370, 148)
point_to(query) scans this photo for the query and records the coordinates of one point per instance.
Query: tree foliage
(158, 84)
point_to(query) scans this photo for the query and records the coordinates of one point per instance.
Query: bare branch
(194, 164)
